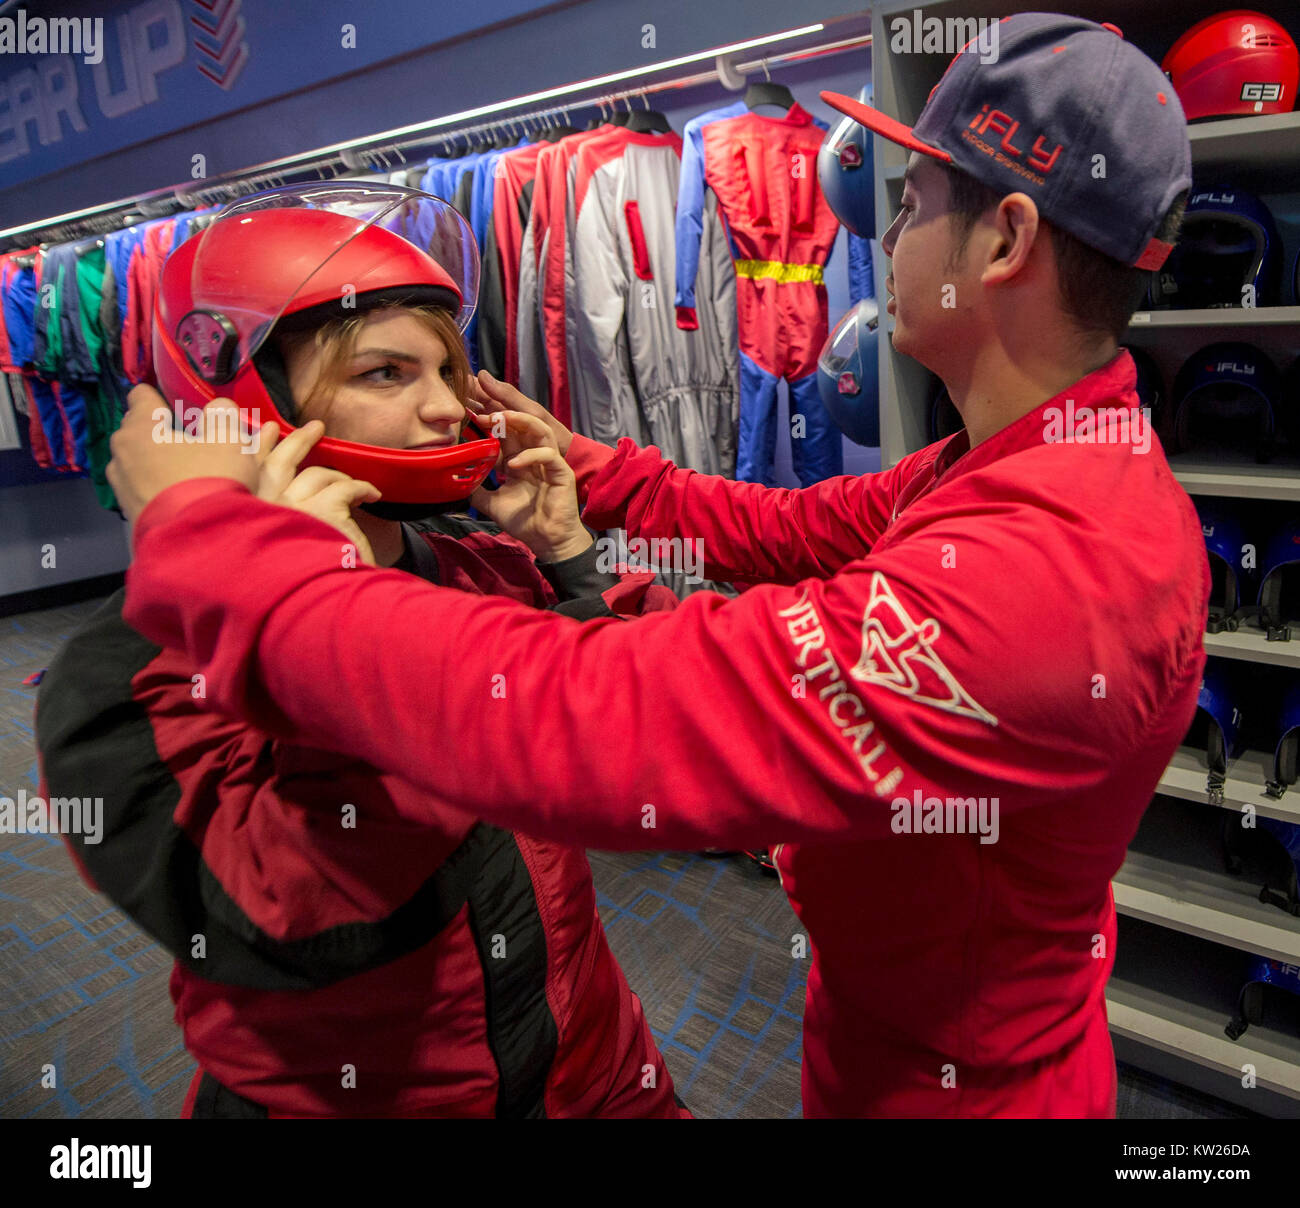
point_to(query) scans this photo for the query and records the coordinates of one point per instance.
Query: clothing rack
(439, 137)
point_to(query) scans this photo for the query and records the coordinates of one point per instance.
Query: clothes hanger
(563, 128)
(647, 120)
(768, 93)
(550, 132)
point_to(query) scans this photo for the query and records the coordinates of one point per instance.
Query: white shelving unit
(1162, 1017)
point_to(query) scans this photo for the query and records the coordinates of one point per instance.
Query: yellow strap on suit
(774, 269)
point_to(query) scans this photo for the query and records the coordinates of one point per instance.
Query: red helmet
(1234, 62)
(291, 259)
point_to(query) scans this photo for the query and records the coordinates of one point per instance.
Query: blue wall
(343, 96)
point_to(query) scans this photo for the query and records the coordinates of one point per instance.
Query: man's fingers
(547, 457)
(480, 402)
(145, 408)
(482, 500)
(221, 421)
(347, 494)
(310, 481)
(527, 429)
(516, 401)
(287, 456)
(269, 434)
(503, 392)
(144, 398)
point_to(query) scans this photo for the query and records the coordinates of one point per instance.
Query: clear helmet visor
(841, 356)
(289, 249)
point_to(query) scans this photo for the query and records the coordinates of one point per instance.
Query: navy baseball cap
(1068, 113)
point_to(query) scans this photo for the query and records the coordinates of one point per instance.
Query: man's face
(926, 287)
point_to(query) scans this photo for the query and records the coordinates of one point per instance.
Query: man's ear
(1016, 226)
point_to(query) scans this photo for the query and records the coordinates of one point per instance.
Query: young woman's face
(395, 390)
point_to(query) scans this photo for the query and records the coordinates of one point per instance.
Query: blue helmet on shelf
(1225, 544)
(845, 170)
(1289, 411)
(1286, 747)
(1228, 254)
(1262, 973)
(848, 376)
(1266, 850)
(1216, 728)
(1279, 583)
(1224, 398)
(1150, 383)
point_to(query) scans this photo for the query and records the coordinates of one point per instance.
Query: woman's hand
(489, 398)
(329, 495)
(537, 501)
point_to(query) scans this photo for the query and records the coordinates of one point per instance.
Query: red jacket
(1022, 622)
(516, 170)
(459, 969)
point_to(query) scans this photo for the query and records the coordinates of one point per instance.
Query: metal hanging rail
(372, 153)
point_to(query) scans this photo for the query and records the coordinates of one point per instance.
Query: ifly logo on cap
(1004, 124)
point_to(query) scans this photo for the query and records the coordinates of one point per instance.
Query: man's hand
(329, 495)
(489, 398)
(149, 455)
(537, 502)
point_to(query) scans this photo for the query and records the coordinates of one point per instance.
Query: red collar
(1113, 385)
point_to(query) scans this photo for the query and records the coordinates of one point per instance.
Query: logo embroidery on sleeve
(898, 654)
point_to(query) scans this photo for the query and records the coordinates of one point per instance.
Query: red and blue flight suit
(763, 171)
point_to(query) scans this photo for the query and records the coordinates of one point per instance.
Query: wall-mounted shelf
(1191, 1033)
(1237, 476)
(1186, 775)
(1249, 645)
(1259, 316)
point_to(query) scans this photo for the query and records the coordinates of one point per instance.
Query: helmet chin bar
(417, 477)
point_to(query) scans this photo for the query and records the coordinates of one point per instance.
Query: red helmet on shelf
(1236, 62)
(289, 259)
